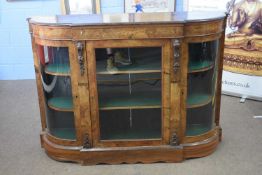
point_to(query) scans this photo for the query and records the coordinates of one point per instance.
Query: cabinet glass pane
(202, 56)
(130, 124)
(129, 93)
(199, 120)
(199, 88)
(202, 79)
(56, 82)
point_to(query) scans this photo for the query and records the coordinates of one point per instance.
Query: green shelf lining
(198, 99)
(140, 66)
(196, 129)
(62, 103)
(137, 100)
(198, 65)
(62, 69)
(133, 101)
(64, 133)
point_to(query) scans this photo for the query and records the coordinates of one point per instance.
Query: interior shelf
(200, 66)
(58, 69)
(138, 67)
(198, 100)
(61, 103)
(64, 133)
(196, 129)
(134, 101)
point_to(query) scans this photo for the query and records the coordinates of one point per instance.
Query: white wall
(16, 60)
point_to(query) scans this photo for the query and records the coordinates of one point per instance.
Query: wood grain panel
(52, 43)
(200, 39)
(61, 153)
(175, 116)
(41, 99)
(183, 87)
(203, 28)
(75, 92)
(129, 142)
(201, 150)
(52, 32)
(166, 92)
(91, 71)
(133, 155)
(128, 32)
(192, 139)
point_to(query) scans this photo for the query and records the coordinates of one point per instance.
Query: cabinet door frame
(90, 50)
(74, 70)
(197, 39)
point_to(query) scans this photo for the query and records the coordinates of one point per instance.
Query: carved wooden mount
(80, 57)
(176, 64)
(174, 140)
(176, 45)
(86, 142)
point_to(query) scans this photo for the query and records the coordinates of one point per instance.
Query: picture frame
(70, 7)
(151, 6)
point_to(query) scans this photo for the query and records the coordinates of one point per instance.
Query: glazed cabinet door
(130, 92)
(55, 84)
(202, 80)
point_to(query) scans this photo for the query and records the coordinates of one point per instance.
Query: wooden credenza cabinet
(155, 99)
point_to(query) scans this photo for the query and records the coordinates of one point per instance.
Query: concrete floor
(240, 152)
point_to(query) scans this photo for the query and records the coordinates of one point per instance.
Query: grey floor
(240, 152)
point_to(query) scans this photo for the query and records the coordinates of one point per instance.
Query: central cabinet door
(129, 92)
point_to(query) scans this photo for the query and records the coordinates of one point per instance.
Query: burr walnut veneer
(160, 104)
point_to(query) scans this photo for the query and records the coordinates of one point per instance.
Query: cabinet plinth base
(133, 155)
(118, 155)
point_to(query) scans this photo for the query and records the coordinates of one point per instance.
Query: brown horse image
(243, 46)
(246, 21)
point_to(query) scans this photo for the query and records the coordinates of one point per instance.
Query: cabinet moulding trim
(135, 148)
(201, 137)
(54, 145)
(53, 38)
(101, 39)
(55, 140)
(206, 141)
(216, 35)
(52, 42)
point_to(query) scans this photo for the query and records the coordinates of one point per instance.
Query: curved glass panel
(202, 79)
(56, 82)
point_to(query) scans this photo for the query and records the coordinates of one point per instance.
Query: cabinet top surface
(131, 18)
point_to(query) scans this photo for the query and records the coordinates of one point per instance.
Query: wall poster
(242, 74)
